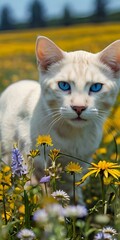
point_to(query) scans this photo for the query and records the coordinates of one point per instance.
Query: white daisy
(26, 234)
(55, 210)
(41, 216)
(109, 230)
(75, 211)
(61, 196)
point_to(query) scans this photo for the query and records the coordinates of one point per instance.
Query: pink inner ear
(47, 52)
(111, 61)
(111, 56)
(114, 65)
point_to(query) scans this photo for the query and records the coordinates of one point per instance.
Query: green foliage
(43, 212)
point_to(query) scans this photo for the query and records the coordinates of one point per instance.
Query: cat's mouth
(78, 119)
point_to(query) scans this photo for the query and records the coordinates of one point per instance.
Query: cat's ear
(47, 52)
(110, 56)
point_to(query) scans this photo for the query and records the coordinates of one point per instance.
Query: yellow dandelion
(89, 201)
(44, 139)
(117, 183)
(6, 169)
(107, 169)
(5, 176)
(73, 168)
(101, 151)
(34, 153)
(54, 154)
(22, 209)
(107, 181)
(118, 140)
(8, 215)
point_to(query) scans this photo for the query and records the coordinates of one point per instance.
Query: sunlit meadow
(31, 212)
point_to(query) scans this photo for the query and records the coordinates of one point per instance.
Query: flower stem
(45, 160)
(103, 194)
(74, 198)
(4, 206)
(67, 155)
(46, 189)
(74, 228)
(27, 210)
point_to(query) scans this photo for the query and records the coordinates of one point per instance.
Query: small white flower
(109, 230)
(75, 211)
(55, 210)
(61, 196)
(40, 216)
(26, 234)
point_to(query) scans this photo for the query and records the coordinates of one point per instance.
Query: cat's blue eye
(96, 87)
(64, 86)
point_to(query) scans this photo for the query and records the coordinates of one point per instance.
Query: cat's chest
(83, 145)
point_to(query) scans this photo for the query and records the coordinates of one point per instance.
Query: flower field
(25, 210)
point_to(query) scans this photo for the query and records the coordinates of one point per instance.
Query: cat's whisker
(54, 122)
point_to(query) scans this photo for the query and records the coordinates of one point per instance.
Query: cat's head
(78, 87)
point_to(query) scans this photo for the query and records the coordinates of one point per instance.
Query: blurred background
(89, 25)
(43, 13)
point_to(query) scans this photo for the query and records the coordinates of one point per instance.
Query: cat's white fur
(29, 108)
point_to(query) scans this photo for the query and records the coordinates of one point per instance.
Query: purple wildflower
(45, 179)
(17, 166)
(103, 236)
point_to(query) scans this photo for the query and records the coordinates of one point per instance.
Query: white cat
(71, 102)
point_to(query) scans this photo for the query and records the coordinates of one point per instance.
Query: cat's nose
(78, 109)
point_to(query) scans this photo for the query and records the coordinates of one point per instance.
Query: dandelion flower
(107, 169)
(6, 168)
(34, 153)
(5, 177)
(61, 196)
(26, 234)
(73, 168)
(44, 139)
(117, 183)
(107, 181)
(54, 154)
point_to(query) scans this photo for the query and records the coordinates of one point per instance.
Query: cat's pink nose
(78, 109)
